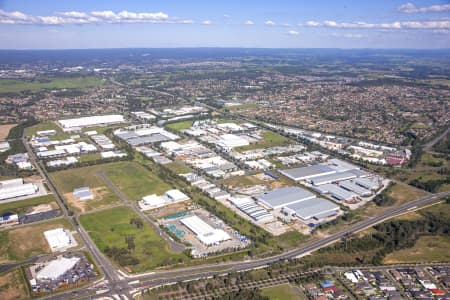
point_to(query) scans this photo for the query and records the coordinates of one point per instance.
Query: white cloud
(293, 32)
(207, 22)
(226, 16)
(270, 23)
(410, 8)
(76, 17)
(437, 24)
(349, 35)
(248, 22)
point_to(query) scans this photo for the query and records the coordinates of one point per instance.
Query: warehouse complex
(59, 239)
(337, 179)
(56, 268)
(298, 202)
(204, 232)
(76, 124)
(144, 134)
(281, 197)
(15, 188)
(169, 197)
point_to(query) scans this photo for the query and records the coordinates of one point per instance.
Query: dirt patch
(165, 211)
(42, 208)
(4, 130)
(12, 286)
(98, 192)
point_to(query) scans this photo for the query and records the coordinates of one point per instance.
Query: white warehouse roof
(56, 268)
(91, 121)
(57, 238)
(284, 196)
(176, 195)
(204, 232)
(14, 191)
(316, 207)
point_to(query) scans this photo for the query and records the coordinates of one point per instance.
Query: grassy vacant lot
(280, 292)
(4, 130)
(16, 86)
(25, 242)
(109, 228)
(178, 126)
(13, 286)
(68, 180)
(135, 180)
(22, 205)
(270, 139)
(47, 125)
(426, 249)
(178, 167)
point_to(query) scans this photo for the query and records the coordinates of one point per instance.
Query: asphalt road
(436, 139)
(138, 282)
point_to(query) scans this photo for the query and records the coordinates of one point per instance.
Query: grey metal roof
(369, 183)
(314, 170)
(341, 166)
(351, 186)
(335, 191)
(332, 178)
(313, 207)
(147, 139)
(284, 196)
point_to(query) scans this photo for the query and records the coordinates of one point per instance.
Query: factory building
(336, 192)
(353, 187)
(324, 179)
(250, 208)
(169, 197)
(14, 188)
(316, 208)
(57, 268)
(284, 196)
(144, 134)
(230, 141)
(77, 123)
(303, 173)
(368, 183)
(58, 239)
(206, 234)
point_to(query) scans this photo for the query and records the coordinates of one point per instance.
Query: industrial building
(330, 178)
(204, 232)
(14, 188)
(57, 268)
(315, 208)
(336, 192)
(9, 219)
(58, 239)
(368, 183)
(250, 208)
(145, 134)
(284, 196)
(83, 194)
(78, 123)
(230, 141)
(303, 173)
(353, 187)
(169, 197)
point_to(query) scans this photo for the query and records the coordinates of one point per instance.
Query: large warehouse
(77, 123)
(205, 233)
(58, 239)
(317, 208)
(14, 188)
(57, 268)
(303, 173)
(284, 196)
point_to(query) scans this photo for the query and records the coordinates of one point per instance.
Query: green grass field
(280, 292)
(270, 139)
(109, 228)
(178, 167)
(135, 180)
(426, 249)
(47, 125)
(22, 205)
(16, 86)
(180, 125)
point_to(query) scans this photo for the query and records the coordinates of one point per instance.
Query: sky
(79, 24)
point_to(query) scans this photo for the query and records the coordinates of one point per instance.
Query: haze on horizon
(51, 24)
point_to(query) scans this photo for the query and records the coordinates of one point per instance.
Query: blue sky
(55, 24)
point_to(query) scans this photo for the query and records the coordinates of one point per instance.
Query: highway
(137, 282)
